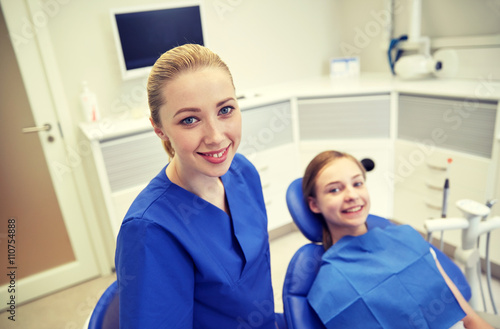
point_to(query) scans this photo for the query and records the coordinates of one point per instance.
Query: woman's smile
(215, 157)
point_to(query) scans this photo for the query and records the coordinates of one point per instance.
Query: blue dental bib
(386, 278)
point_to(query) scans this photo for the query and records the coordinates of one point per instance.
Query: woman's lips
(215, 157)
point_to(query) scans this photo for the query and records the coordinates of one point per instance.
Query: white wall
(263, 42)
(363, 23)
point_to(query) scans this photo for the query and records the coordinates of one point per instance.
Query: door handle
(45, 127)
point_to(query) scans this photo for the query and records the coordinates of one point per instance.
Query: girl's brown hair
(311, 174)
(169, 66)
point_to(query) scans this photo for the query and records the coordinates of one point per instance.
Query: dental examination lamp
(473, 225)
(443, 63)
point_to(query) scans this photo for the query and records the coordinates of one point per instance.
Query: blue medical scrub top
(181, 262)
(383, 279)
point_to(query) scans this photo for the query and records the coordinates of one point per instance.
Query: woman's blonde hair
(169, 66)
(311, 174)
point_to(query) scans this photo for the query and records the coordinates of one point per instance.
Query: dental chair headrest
(307, 221)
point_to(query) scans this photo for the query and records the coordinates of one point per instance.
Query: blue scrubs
(385, 278)
(182, 262)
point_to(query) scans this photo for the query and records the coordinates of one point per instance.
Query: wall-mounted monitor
(143, 33)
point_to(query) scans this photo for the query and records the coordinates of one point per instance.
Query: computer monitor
(143, 33)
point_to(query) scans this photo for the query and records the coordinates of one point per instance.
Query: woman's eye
(358, 184)
(226, 110)
(334, 190)
(189, 121)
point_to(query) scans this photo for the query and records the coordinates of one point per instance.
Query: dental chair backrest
(304, 265)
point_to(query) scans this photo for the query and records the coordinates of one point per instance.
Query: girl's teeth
(354, 209)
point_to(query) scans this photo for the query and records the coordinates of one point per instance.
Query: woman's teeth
(354, 209)
(216, 155)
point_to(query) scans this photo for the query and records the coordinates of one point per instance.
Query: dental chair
(305, 264)
(106, 312)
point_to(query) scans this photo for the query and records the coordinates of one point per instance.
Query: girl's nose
(350, 193)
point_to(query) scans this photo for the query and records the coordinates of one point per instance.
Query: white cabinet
(432, 130)
(268, 141)
(344, 117)
(419, 177)
(125, 162)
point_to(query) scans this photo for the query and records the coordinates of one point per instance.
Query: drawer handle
(433, 186)
(436, 167)
(263, 168)
(432, 205)
(266, 185)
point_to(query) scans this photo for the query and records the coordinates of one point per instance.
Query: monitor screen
(142, 36)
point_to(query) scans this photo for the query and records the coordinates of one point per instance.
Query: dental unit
(474, 224)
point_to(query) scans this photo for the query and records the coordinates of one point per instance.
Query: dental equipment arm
(473, 225)
(445, 224)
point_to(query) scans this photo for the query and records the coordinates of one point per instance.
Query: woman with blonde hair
(193, 249)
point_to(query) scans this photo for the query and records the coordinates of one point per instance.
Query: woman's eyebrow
(187, 109)
(225, 101)
(196, 110)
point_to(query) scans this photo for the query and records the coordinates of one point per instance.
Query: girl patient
(374, 277)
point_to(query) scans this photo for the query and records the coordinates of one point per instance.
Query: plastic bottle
(89, 104)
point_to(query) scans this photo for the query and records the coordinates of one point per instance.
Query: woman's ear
(313, 205)
(158, 131)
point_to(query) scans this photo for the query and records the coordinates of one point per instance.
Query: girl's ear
(158, 131)
(313, 205)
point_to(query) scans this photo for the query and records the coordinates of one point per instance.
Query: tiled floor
(70, 308)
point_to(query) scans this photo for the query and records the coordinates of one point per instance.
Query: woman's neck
(210, 189)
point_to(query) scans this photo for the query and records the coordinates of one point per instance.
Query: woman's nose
(213, 133)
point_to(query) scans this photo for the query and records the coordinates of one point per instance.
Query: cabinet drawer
(266, 127)
(423, 170)
(344, 117)
(420, 172)
(413, 209)
(277, 167)
(133, 160)
(466, 126)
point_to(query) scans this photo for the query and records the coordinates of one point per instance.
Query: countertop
(367, 83)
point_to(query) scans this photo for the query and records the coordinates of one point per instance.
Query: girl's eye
(357, 184)
(335, 190)
(189, 121)
(226, 110)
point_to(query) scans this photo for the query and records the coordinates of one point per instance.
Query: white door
(43, 236)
